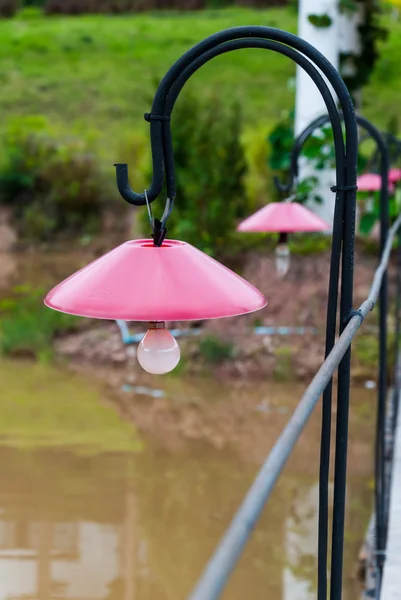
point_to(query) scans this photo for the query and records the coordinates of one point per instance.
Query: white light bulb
(158, 352)
(370, 203)
(282, 259)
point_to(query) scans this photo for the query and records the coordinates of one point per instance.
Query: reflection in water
(140, 528)
(301, 546)
(140, 524)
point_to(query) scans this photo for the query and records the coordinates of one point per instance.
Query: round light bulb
(158, 352)
(370, 203)
(283, 259)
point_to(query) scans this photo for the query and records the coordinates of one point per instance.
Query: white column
(309, 102)
(349, 38)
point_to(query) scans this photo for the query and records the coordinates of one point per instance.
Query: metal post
(313, 62)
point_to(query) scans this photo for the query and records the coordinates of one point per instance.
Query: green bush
(214, 350)
(52, 184)
(283, 369)
(305, 244)
(27, 327)
(8, 8)
(210, 168)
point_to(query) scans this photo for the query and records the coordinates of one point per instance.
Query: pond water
(89, 510)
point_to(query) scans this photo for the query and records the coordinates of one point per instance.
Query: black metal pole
(308, 58)
(397, 364)
(342, 412)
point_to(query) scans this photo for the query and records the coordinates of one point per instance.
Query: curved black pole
(381, 533)
(336, 125)
(308, 58)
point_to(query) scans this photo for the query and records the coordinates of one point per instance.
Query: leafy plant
(309, 243)
(371, 33)
(27, 327)
(283, 369)
(371, 208)
(52, 184)
(210, 168)
(215, 350)
(320, 21)
(318, 149)
(281, 140)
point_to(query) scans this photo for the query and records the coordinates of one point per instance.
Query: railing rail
(226, 555)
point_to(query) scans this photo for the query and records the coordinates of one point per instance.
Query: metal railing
(225, 557)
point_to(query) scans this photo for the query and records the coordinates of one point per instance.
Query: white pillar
(349, 39)
(309, 103)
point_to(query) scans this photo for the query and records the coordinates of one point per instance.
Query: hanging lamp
(138, 281)
(283, 218)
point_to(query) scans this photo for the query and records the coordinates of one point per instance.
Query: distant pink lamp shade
(140, 282)
(283, 217)
(394, 175)
(372, 182)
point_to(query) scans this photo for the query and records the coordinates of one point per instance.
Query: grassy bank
(96, 75)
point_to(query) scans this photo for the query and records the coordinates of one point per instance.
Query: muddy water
(90, 511)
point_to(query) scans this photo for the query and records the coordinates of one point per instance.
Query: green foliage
(320, 21)
(281, 139)
(27, 327)
(210, 167)
(52, 184)
(306, 190)
(214, 350)
(318, 149)
(283, 368)
(258, 180)
(371, 209)
(372, 33)
(309, 243)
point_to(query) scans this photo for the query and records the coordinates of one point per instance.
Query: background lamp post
(284, 218)
(369, 182)
(342, 257)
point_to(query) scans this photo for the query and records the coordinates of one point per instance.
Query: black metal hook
(159, 230)
(285, 188)
(159, 226)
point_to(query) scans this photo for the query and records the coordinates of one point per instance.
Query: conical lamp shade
(284, 217)
(371, 182)
(139, 282)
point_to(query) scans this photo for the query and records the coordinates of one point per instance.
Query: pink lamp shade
(284, 217)
(394, 175)
(372, 182)
(140, 282)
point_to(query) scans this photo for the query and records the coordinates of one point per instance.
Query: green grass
(96, 75)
